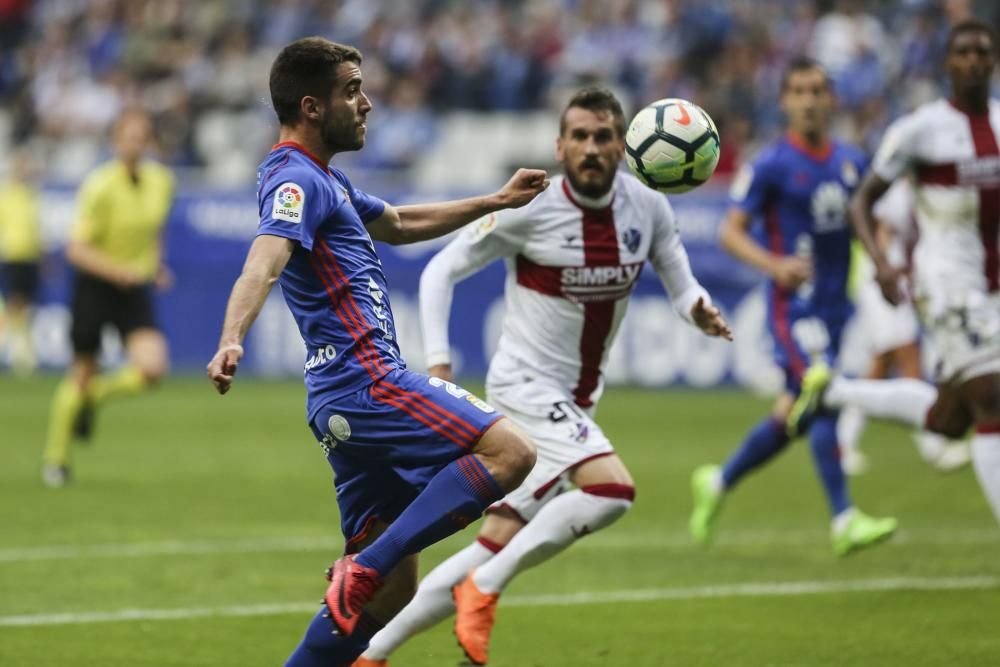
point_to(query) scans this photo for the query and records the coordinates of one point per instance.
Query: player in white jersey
(572, 257)
(950, 148)
(890, 334)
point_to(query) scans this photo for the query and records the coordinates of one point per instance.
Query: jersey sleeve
(896, 153)
(751, 188)
(496, 235)
(368, 206)
(293, 204)
(90, 225)
(670, 259)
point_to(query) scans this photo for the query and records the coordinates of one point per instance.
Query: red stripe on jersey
(600, 248)
(989, 200)
(779, 300)
(544, 279)
(937, 174)
(335, 304)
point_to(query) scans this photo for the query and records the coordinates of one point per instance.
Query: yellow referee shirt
(20, 237)
(124, 218)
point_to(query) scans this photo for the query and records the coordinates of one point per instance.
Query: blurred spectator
(200, 67)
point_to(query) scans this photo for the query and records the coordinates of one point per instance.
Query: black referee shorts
(97, 302)
(20, 279)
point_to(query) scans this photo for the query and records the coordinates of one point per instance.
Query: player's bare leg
(604, 493)
(66, 405)
(19, 346)
(982, 394)
(433, 601)
(457, 495)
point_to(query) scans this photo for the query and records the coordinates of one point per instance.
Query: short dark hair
(970, 25)
(803, 64)
(596, 99)
(307, 66)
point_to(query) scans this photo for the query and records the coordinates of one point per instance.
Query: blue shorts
(790, 353)
(386, 441)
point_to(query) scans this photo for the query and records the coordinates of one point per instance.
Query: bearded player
(414, 461)
(573, 257)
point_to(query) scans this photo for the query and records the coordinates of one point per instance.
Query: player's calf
(506, 453)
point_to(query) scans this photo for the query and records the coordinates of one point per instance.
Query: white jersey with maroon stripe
(953, 159)
(571, 264)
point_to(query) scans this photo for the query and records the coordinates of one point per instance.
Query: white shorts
(564, 434)
(886, 327)
(964, 331)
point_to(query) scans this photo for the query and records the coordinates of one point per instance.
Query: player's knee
(614, 499)
(507, 453)
(153, 371)
(521, 456)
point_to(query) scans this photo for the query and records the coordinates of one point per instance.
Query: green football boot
(707, 501)
(810, 399)
(861, 531)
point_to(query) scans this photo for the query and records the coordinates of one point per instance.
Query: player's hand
(442, 371)
(709, 319)
(790, 272)
(523, 186)
(887, 278)
(125, 278)
(222, 367)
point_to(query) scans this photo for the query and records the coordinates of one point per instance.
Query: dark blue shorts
(385, 442)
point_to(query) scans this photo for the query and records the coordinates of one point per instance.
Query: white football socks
(431, 604)
(903, 400)
(558, 524)
(986, 461)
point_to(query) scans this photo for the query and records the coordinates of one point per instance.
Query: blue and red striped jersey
(797, 197)
(333, 284)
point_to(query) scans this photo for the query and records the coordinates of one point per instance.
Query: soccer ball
(672, 145)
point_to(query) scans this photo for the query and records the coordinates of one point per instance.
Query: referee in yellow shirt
(20, 256)
(116, 248)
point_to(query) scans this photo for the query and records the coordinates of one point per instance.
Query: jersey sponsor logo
(599, 278)
(289, 202)
(380, 309)
(580, 284)
(984, 171)
(320, 357)
(829, 207)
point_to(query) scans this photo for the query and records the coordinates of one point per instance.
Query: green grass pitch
(198, 528)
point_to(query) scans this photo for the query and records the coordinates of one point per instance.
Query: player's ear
(560, 150)
(309, 106)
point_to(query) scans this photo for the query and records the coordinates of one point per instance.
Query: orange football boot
(475, 614)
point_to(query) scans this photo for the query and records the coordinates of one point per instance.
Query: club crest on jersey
(289, 202)
(631, 238)
(829, 207)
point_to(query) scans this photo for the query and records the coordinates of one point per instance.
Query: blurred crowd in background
(200, 66)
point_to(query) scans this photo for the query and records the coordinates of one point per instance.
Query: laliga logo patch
(289, 202)
(339, 427)
(631, 238)
(485, 226)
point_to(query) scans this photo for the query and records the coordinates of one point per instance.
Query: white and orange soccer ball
(672, 145)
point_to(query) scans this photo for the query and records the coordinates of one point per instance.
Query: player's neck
(974, 104)
(308, 141)
(600, 201)
(815, 144)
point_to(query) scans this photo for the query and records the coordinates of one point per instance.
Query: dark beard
(341, 137)
(592, 191)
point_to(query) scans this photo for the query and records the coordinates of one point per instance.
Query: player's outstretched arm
(419, 222)
(860, 212)
(788, 271)
(266, 260)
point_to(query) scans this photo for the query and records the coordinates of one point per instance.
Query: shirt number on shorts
(563, 410)
(458, 392)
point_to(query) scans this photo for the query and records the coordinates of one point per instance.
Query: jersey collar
(302, 149)
(581, 201)
(821, 154)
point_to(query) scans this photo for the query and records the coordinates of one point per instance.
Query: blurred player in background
(890, 334)
(799, 188)
(573, 256)
(116, 248)
(950, 148)
(415, 459)
(20, 257)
